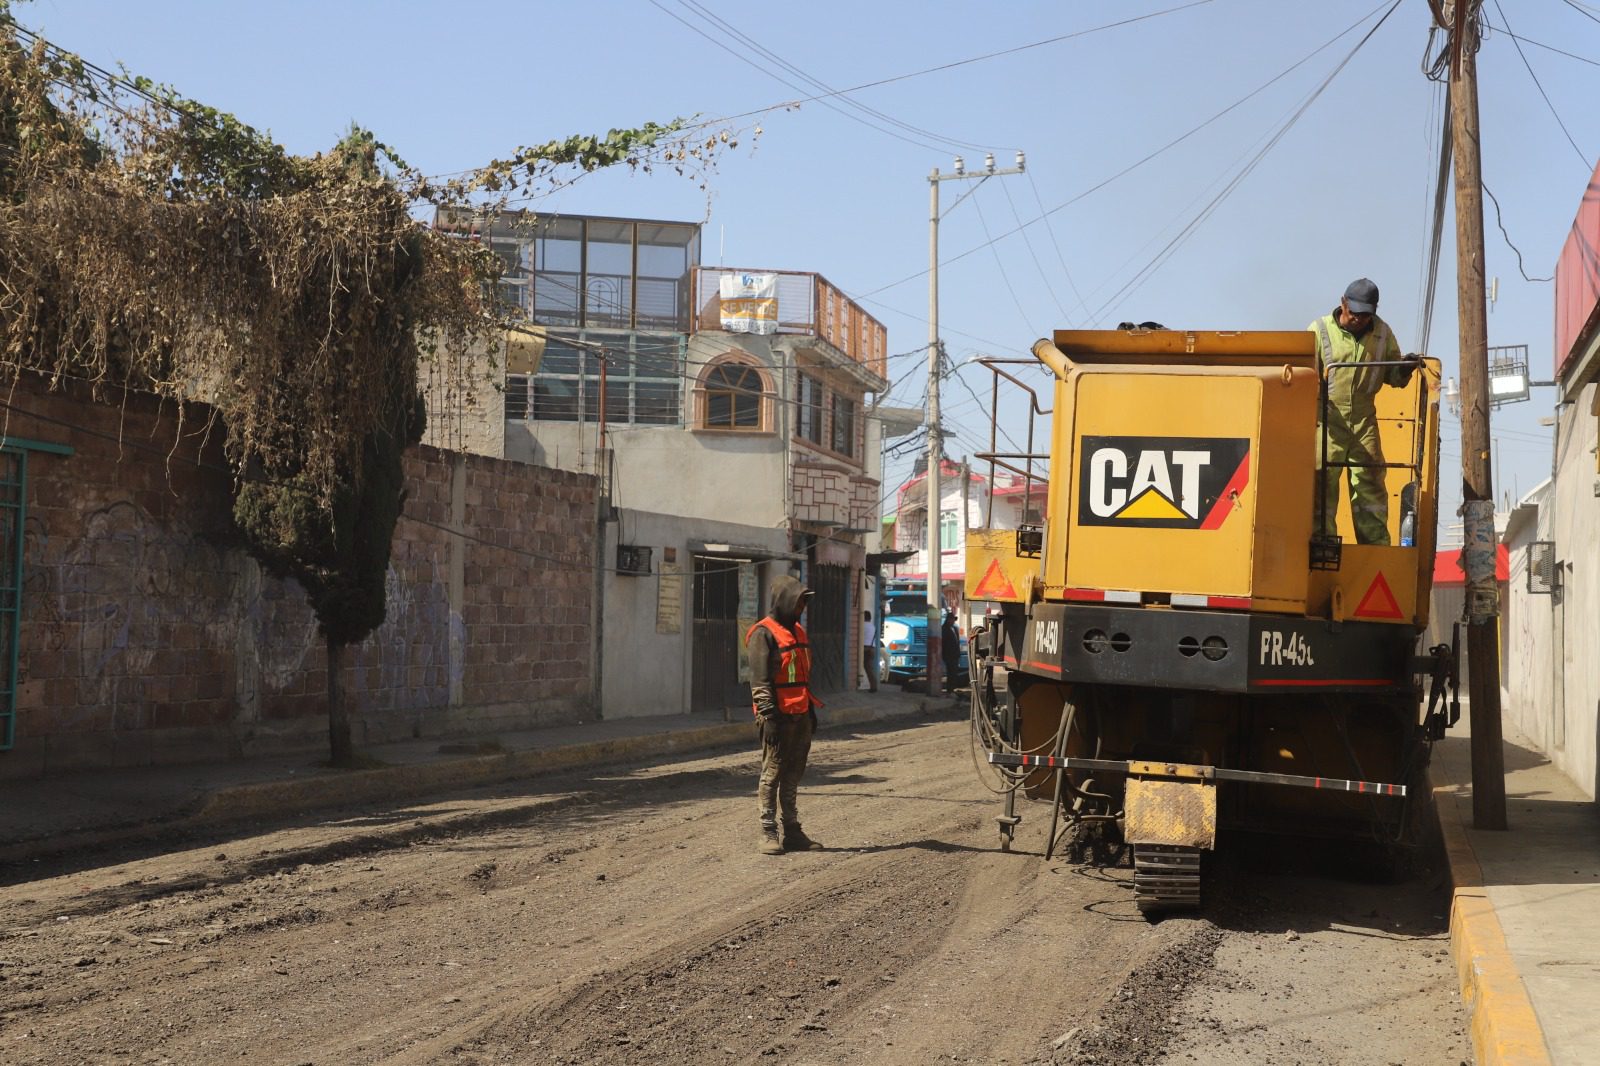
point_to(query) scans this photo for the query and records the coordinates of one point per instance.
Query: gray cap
(1361, 296)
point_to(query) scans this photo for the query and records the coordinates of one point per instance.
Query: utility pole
(1480, 543)
(935, 437)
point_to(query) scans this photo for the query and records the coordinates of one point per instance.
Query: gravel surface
(625, 917)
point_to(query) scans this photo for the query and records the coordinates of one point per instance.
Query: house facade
(1552, 685)
(729, 436)
(968, 500)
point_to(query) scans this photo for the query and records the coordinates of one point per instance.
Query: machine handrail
(994, 455)
(1415, 466)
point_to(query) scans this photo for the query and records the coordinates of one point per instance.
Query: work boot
(795, 839)
(770, 844)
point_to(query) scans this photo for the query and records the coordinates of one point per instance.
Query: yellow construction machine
(1180, 650)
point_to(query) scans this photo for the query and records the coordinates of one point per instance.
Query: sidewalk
(1525, 921)
(56, 814)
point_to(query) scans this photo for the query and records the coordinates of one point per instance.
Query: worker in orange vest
(780, 693)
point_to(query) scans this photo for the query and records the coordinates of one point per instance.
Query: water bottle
(1408, 530)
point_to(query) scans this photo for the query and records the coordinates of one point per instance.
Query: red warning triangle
(995, 585)
(1379, 602)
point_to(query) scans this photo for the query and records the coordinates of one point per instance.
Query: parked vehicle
(903, 653)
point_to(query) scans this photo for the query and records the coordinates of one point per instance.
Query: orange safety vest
(792, 686)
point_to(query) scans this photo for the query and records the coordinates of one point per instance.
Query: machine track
(1166, 878)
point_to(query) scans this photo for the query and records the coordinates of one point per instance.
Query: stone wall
(148, 635)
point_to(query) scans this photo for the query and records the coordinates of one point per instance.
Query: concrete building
(1553, 682)
(966, 502)
(729, 436)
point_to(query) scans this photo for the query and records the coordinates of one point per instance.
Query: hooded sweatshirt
(761, 651)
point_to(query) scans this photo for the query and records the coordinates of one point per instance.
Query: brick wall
(148, 635)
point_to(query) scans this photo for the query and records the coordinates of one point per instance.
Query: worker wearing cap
(780, 694)
(1353, 333)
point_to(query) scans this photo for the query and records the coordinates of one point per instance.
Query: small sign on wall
(749, 612)
(669, 599)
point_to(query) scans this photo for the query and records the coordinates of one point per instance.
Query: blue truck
(903, 636)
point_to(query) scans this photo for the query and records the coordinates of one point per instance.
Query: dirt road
(626, 918)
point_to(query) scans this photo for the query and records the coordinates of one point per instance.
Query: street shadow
(942, 847)
(1547, 841)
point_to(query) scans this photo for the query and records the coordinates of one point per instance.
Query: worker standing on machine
(1353, 333)
(779, 657)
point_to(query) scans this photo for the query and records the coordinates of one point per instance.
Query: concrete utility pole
(1477, 485)
(935, 437)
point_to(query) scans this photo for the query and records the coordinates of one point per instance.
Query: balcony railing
(807, 304)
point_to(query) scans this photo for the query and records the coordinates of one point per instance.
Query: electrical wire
(1436, 233)
(815, 83)
(994, 247)
(1130, 168)
(1501, 223)
(826, 99)
(1050, 228)
(1028, 242)
(1172, 245)
(1588, 164)
(1582, 9)
(1547, 47)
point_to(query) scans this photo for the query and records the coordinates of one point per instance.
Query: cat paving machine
(1179, 651)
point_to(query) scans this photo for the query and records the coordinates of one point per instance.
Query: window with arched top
(733, 396)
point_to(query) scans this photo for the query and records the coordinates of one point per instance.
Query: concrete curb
(304, 794)
(1505, 1029)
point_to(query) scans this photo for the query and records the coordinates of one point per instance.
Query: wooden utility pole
(1477, 486)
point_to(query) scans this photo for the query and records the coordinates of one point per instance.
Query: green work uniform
(1353, 423)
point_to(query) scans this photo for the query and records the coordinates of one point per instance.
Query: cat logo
(1161, 482)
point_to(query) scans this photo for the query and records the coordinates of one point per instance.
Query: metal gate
(827, 625)
(714, 676)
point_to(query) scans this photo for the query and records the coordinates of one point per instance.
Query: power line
(1547, 47)
(818, 84)
(1172, 245)
(967, 62)
(825, 99)
(1153, 155)
(1588, 164)
(789, 105)
(1501, 223)
(1436, 238)
(1050, 228)
(1581, 9)
(999, 265)
(1028, 242)
(1428, 278)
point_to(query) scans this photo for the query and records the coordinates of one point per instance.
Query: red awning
(1447, 566)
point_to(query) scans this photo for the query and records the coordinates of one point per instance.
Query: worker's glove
(767, 728)
(1413, 360)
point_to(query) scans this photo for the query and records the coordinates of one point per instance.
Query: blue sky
(1344, 192)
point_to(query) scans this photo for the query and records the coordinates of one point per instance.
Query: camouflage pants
(783, 761)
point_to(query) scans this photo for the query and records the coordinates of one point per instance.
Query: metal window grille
(1544, 569)
(644, 374)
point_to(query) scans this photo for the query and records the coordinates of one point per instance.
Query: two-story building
(725, 412)
(966, 502)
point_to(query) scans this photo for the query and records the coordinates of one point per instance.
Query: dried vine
(151, 243)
